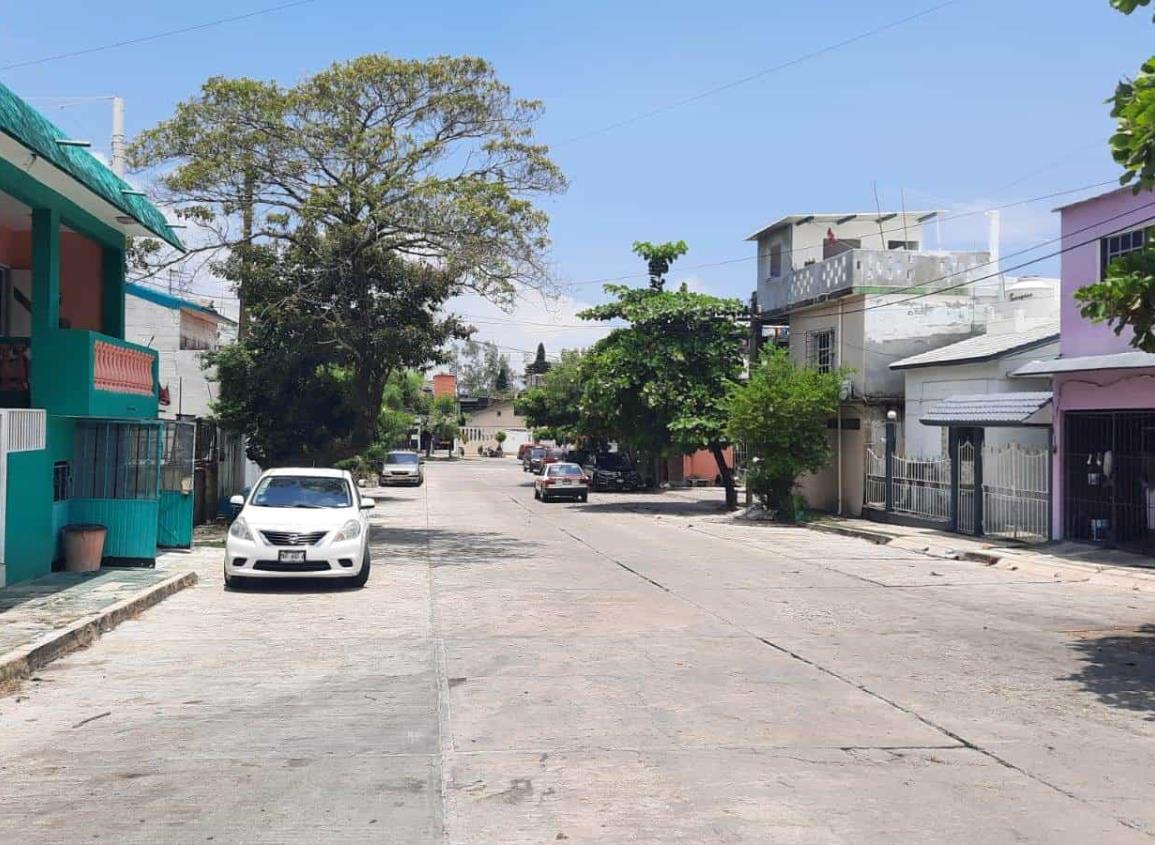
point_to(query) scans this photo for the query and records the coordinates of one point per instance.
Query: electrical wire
(797, 60)
(157, 36)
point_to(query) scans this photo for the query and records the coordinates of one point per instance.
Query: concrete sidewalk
(1063, 560)
(48, 617)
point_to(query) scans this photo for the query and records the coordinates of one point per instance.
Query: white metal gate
(875, 479)
(922, 487)
(1016, 492)
(966, 487)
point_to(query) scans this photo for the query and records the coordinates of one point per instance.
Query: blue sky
(976, 104)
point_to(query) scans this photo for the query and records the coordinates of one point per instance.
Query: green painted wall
(176, 520)
(31, 526)
(68, 390)
(131, 525)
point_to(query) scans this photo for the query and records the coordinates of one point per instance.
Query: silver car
(402, 467)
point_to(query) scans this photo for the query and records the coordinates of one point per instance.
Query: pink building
(1104, 389)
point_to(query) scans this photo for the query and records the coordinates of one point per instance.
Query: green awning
(31, 129)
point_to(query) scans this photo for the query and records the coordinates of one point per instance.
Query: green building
(80, 441)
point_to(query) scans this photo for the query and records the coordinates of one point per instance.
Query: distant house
(486, 419)
(182, 331)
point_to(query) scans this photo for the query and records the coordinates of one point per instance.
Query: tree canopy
(347, 209)
(553, 408)
(660, 384)
(780, 414)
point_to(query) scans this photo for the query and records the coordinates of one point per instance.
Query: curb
(876, 537)
(19, 664)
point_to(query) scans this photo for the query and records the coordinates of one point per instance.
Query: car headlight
(240, 530)
(351, 530)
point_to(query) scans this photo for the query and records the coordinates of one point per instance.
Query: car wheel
(360, 579)
(544, 497)
(585, 497)
(536, 493)
(233, 582)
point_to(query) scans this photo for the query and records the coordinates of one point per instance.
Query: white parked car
(401, 467)
(561, 481)
(300, 523)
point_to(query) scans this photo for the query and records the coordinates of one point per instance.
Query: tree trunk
(727, 476)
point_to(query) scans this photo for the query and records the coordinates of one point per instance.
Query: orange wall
(80, 282)
(80, 273)
(701, 464)
(444, 384)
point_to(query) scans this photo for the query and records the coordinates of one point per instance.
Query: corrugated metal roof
(993, 409)
(174, 302)
(33, 130)
(982, 348)
(1083, 363)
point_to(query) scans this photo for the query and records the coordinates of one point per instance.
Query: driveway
(634, 669)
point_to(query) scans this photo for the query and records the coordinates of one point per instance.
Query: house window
(820, 352)
(1117, 245)
(61, 481)
(775, 260)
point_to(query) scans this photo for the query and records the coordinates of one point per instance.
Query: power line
(797, 60)
(158, 35)
(790, 252)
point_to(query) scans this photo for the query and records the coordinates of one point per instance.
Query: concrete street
(630, 670)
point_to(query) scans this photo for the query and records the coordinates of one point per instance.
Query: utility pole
(755, 350)
(118, 145)
(247, 238)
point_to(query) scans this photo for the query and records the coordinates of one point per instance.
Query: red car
(561, 481)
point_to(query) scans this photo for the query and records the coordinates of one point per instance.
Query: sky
(975, 104)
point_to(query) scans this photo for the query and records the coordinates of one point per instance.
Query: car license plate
(292, 557)
(568, 483)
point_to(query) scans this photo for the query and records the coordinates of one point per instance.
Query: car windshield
(565, 469)
(537, 453)
(401, 459)
(613, 461)
(302, 491)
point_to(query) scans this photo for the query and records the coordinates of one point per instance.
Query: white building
(1022, 327)
(181, 331)
(859, 291)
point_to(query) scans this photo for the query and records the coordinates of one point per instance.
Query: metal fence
(922, 487)
(875, 479)
(1016, 492)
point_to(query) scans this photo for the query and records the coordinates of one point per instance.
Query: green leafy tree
(552, 409)
(480, 368)
(501, 383)
(540, 366)
(780, 413)
(373, 168)
(658, 258)
(321, 327)
(500, 437)
(1125, 298)
(660, 384)
(443, 420)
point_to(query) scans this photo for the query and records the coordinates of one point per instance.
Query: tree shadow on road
(1119, 669)
(667, 507)
(448, 547)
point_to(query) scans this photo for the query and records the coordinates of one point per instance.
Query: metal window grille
(820, 352)
(116, 460)
(1116, 245)
(61, 481)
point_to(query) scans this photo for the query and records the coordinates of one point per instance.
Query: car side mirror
(237, 501)
(368, 504)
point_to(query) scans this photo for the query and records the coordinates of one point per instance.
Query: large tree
(553, 407)
(660, 384)
(372, 168)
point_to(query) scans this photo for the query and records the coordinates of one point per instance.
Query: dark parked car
(613, 471)
(532, 459)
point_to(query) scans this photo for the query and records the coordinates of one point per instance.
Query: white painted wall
(927, 385)
(156, 326)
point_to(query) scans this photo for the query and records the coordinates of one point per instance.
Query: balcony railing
(87, 374)
(122, 368)
(874, 271)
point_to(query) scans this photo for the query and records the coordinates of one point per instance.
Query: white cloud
(535, 319)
